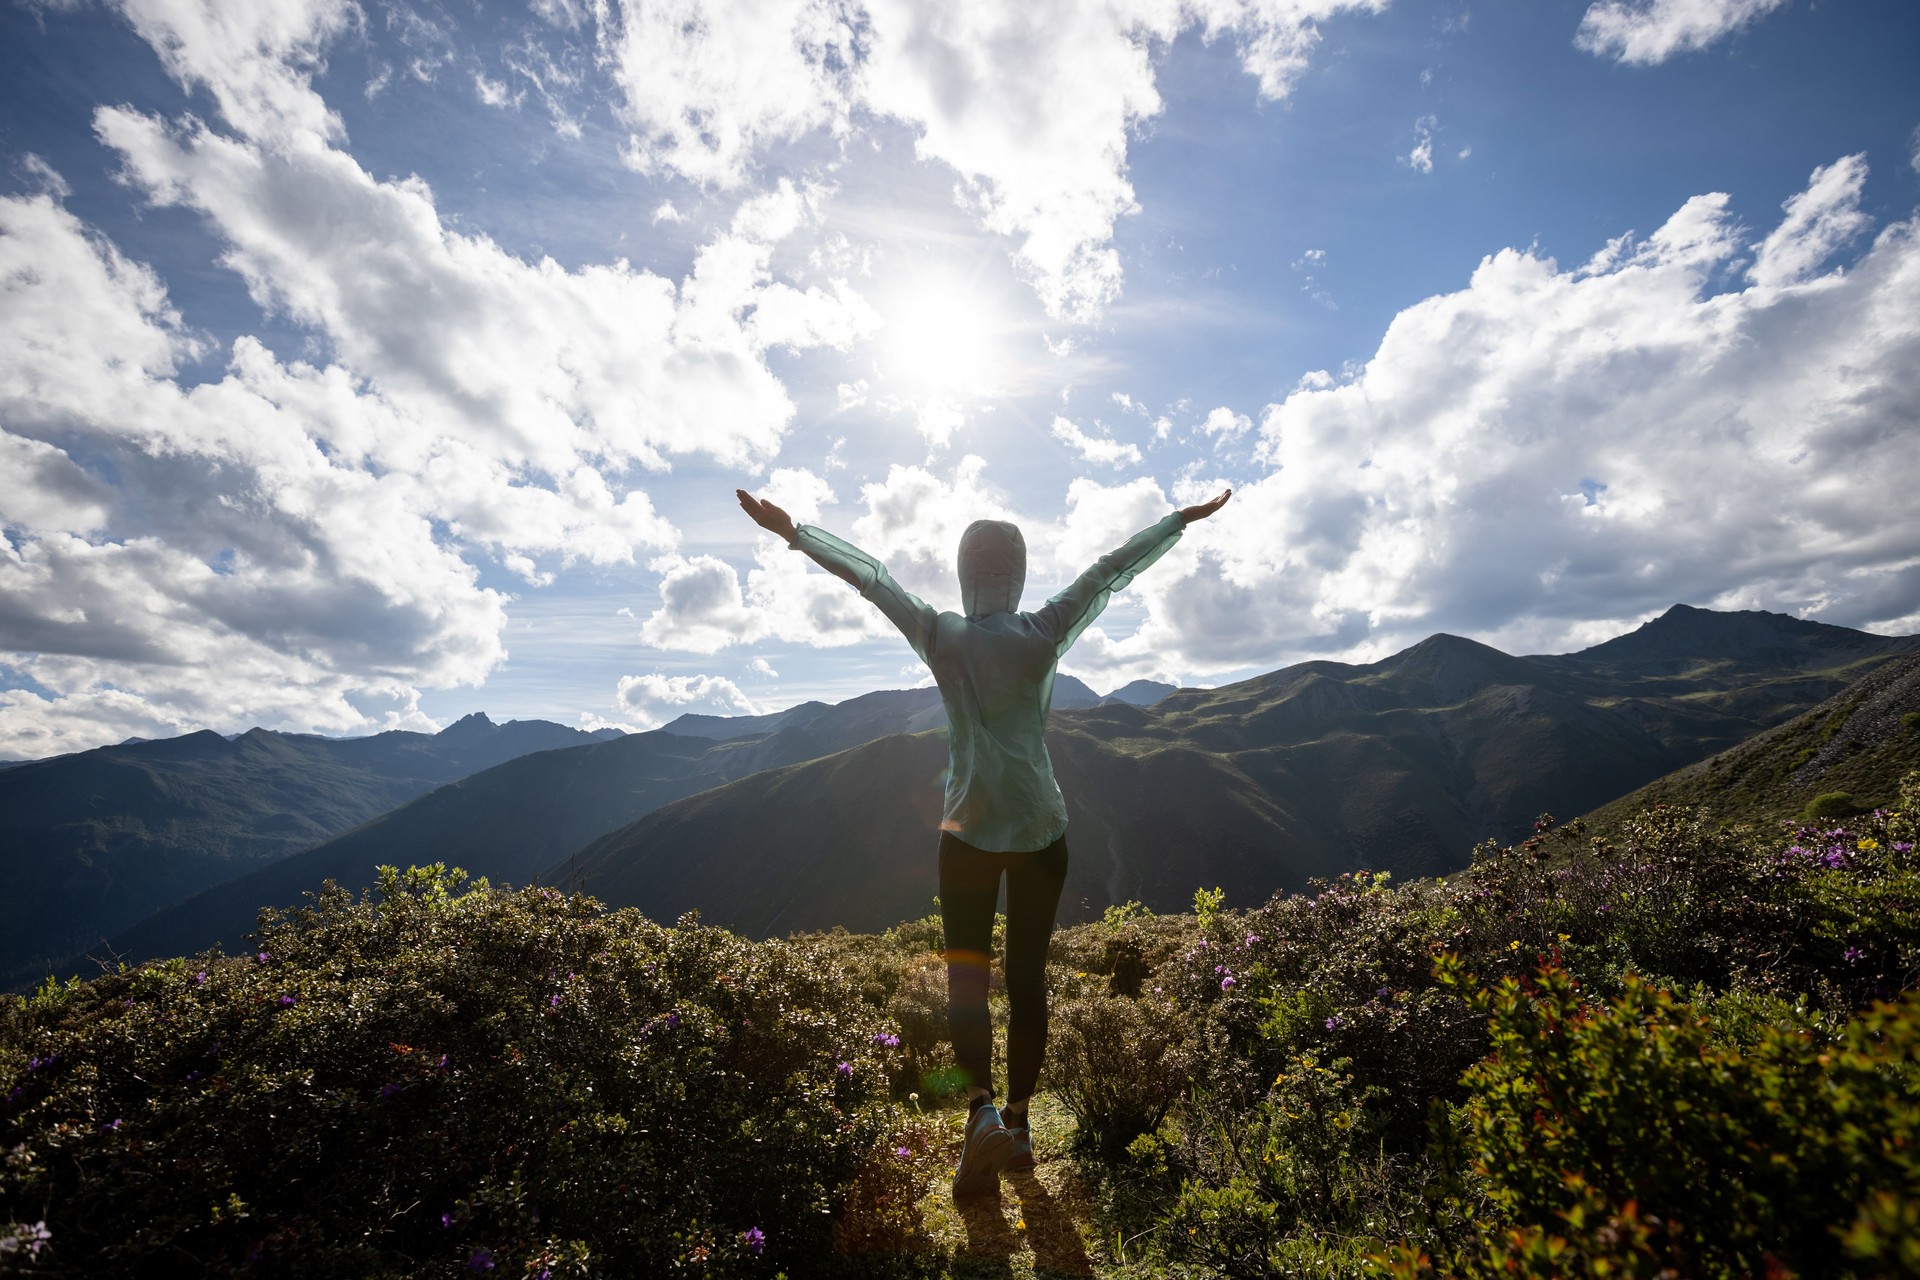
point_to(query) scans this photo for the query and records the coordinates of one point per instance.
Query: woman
(1004, 813)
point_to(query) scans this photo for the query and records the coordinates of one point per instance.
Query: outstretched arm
(851, 565)
(1073, 610)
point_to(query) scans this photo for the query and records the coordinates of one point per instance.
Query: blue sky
(366, 364)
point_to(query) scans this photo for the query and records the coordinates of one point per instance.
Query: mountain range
(825, 815)
(1400, 765)
(93, 841)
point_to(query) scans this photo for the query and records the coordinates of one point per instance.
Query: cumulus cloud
(1518, 458)
(1819, 221)
(299, 544)
(706, 86)
(1224, 426)
(1030, 103)
(1651, 31)
(651, 700)
(1095, 449)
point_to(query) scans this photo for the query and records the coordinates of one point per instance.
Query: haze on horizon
(363, 364)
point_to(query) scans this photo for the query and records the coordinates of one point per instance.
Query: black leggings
(969, 888)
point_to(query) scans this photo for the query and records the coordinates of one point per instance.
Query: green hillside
(1483, 1075)
(1852, 749)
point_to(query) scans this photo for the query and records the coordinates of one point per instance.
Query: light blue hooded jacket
(995, 668)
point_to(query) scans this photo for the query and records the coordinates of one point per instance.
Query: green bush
(1830, 804)
(1119, 1065)
(1630, 1138)
(432, 1080)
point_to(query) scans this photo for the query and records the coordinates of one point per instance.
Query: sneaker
(989, 1145)
(1021, 1161)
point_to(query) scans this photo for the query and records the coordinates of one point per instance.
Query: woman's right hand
(766, 515)
(1205, 509)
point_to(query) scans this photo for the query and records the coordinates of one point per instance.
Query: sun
(941, 337)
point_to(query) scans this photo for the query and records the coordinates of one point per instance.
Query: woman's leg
(1033, 896)
(969, 888)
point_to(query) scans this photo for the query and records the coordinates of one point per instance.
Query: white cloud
(1551, 452)
(652, 700)
(799, 491)
(708, 85)
(1031, 103)
(1651, 31)
(665, 212)
(1819, 221)
(937, 420)
(1095, 449)
(256, 59)
(297, 544)
(1420, 159)
(1224, 426)
(762, 668)
(493, 92)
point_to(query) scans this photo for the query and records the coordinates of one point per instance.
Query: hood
(993, 568)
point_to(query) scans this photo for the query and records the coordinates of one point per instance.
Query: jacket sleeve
(870, 578)
(1073, 610)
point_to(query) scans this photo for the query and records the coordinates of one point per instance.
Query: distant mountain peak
(1688, 632)
(469, 725)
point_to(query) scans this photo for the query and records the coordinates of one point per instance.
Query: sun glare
(941, 337)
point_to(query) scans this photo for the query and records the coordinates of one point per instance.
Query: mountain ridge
(91, 841)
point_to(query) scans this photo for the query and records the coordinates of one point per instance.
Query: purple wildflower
(1834, 858)
(110, 1125)
(442, 1064)
(31, 1238)
(1384, 992)
(263, 957)
(287, 1002)
(905, 1153)
(200, 978)
(1854, 955)
(673, 1020)
(755, 1239)
(1903, 846)
(1335, 1022)
(391, 1089)
(1253, 940)
(845, 1069)
(553, 1001)
(1226, 983)
(446, 1220)
(887, 1039)
(482, 1260)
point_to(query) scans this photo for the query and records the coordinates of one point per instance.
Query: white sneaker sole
(992, 1155)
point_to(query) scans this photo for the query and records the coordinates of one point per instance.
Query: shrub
(434, 1078)
(1830, 804)
(1118, 1064)
(1630, 1138)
